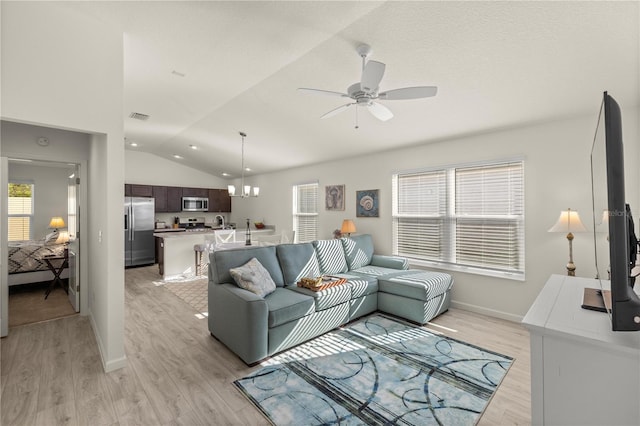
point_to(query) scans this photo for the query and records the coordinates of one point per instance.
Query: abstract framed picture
(367, 203)
(334, 197)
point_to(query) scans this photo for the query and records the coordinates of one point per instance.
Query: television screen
(613, 231)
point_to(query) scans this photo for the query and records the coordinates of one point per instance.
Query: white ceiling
(496, 65)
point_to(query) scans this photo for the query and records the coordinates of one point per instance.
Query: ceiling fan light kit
(365, 92)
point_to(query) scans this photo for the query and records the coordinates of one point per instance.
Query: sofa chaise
(255, 326)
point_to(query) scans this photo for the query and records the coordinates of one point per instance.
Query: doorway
(43, 240)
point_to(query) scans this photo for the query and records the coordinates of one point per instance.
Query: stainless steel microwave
(195, 204)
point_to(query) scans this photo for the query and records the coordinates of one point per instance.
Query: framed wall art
(334, 197)
(367, 203)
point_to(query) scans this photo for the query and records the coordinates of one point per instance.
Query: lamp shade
(348, 226)
(63, 237)
(56, 223)
(569, 221)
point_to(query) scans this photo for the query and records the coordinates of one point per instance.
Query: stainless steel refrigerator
(139, 244)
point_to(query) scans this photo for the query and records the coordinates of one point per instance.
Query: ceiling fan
(365, 93)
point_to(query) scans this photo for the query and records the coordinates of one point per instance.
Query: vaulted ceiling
(203, 71)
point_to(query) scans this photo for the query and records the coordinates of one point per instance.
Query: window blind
(471, 217)
(305, 214)
(20, 210)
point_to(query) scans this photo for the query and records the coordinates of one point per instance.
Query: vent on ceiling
(139, 116)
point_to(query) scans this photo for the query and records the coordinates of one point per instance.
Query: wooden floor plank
(177, 374)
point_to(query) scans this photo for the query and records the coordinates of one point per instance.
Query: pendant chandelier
(246, 189)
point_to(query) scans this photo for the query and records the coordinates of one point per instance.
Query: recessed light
(42, 141)
(179, 157)
(247, 169)
(193, 147)
(133, 144)
(225, 174)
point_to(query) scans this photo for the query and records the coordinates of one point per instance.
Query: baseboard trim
(107, 365)
(489, 312)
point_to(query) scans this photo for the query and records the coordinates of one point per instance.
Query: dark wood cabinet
(160, 196)
(141, 190)
(195, 192)
(127, 190)
(219, 201)
(174, 199)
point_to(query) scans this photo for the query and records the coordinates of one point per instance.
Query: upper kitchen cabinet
(195, 192)
(174, 198)
(160, 195)
(138, 190)
(219, 201)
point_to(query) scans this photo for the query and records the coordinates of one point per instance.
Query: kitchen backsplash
(209, 218)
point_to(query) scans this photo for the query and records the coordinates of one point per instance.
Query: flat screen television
(615, 242)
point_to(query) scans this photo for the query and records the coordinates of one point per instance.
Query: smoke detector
(42, 141)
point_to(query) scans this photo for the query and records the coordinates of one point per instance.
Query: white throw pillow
(252, 276)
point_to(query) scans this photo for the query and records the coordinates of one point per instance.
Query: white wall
(557, 176)
(62, 69)
(50, 192)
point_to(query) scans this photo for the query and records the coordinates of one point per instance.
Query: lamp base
(571, 269)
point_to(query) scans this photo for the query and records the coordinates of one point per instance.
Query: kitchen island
(176, 256)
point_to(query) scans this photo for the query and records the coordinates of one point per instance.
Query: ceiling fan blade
(322, 92)
(409, 93)
(380, 111)
(337, 110)
(371, 76)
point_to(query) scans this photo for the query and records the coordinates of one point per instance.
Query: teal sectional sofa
(256, 327)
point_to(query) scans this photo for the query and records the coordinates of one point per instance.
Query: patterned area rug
(194, 292)
(377, 371)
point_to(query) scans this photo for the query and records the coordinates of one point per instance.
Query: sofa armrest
(392, 262)
(239, 319)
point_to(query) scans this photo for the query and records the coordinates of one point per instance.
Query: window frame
(30, 216)
(298, 214)
(451, 221)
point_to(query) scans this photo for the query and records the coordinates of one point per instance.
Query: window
(21, 210)
(305, 212)
(467, 218)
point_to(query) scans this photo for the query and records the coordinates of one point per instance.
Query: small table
(57, 270)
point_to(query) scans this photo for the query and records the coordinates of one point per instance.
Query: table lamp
(56, 223)
(348, 227)
(63, 238)
(569, 222)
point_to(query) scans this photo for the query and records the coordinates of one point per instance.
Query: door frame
(82, 256)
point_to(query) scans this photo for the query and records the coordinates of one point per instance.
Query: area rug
(375, 371)
(194, 292)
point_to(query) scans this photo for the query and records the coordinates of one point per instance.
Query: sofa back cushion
(297, 261)
(223, 260)
(330, 256)
(358, 250)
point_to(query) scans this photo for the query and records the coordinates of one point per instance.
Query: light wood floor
(177, 374)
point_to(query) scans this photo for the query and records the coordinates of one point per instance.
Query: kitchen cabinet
(195, 192)
(174, 199)
(141, 190)
(219, 201)
(160, 195)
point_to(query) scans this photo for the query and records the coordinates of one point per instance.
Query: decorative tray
(320, 283)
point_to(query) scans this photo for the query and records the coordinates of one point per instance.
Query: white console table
(582, 373)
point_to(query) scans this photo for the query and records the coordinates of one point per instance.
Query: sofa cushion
(253, 277)
(221, 261)
(297, 261)
(326, 298)
(285, 305)
(330, 256)
(378, 271)
(358, 250)
(417, 284)
(362, 286)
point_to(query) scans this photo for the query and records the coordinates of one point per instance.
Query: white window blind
(305, 212)
(469, 218)
(20, 210)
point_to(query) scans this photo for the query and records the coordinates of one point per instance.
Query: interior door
(4, 237)
(73, 221)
